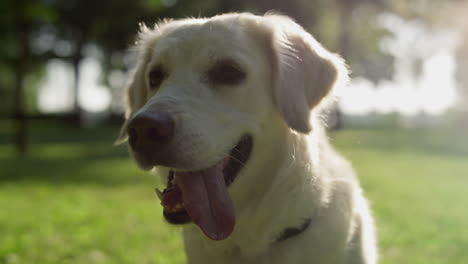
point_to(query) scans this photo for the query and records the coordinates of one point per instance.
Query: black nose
(149, 130)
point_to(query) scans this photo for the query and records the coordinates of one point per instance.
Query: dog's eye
(226, 72)
(156, 76)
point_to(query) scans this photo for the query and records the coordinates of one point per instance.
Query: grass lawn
(77, 199)
(417, 182)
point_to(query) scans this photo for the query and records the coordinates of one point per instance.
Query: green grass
(77, 199)
(417, 183)
(80, 202)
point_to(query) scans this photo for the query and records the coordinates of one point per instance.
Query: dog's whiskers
(237, 160)
(239, 152)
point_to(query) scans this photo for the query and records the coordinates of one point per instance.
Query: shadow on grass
(93, 169)
(50, 132)
(432, 142)
(108, 171)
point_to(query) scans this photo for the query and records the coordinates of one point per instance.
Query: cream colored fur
(293, 173)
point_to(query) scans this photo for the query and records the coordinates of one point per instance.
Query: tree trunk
(21, 128)
(346, 8)
(461, 76)
(19, 115)
(76, 60)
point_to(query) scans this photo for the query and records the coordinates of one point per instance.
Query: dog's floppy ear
(304, 72)
(136, 93)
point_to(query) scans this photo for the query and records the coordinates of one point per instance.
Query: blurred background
(68, 196)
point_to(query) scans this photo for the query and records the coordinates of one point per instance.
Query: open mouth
(202, 197)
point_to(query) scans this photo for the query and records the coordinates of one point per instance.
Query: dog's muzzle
(200, 196)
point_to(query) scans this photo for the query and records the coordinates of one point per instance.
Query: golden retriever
(225, 110)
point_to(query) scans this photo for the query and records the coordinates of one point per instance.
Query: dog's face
(205, 90)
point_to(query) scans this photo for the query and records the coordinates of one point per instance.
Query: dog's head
(204, 90)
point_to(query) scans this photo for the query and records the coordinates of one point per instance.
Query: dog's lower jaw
(202, 197)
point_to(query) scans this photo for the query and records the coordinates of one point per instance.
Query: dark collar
(294, 231)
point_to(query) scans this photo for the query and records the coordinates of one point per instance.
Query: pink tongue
(207, 201)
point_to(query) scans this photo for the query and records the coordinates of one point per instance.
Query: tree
(19, 21)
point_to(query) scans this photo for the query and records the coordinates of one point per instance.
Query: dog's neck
(279, 180)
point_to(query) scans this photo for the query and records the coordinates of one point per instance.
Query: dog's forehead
(209, 38)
